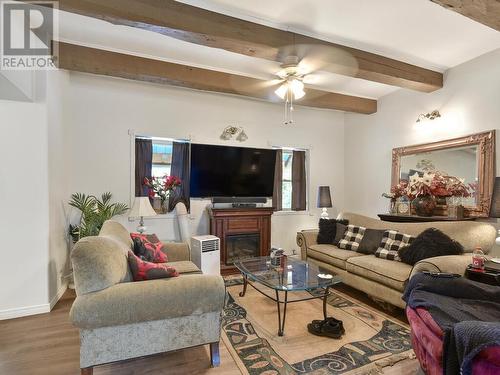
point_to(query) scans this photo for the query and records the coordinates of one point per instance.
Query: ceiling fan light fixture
(282, 90)
(299, 94)
(293, 86)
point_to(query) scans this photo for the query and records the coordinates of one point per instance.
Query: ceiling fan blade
(261, 89)
(326, 58)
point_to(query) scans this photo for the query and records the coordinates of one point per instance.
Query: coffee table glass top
(297, 275)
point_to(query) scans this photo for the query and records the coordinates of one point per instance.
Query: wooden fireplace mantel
(233, 221)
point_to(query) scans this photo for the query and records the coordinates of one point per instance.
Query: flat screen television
(222, 171)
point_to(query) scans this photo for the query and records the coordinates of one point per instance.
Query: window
(291, 175)
(162, 158)
(286, 191)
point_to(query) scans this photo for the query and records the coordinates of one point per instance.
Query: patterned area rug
(372, 340)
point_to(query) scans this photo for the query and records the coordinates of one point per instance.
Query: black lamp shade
(495, 199)
(324, 197)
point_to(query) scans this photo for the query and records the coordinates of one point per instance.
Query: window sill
(293, 213)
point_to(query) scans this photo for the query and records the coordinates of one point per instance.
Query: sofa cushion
(352, 238)
(428, 244)
(185, 267)
(98, 263)
(118, 232)
(386, 272)
(331, 254)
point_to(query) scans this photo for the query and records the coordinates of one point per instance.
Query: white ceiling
(416, 31)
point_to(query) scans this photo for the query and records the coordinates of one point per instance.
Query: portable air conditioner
(205, 253)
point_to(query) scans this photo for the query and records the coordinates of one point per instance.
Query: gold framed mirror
(470, 158)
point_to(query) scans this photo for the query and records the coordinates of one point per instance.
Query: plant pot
(424, 206)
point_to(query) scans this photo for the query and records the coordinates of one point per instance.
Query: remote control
(442, 274)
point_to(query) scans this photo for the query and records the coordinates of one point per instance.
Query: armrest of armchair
(306, 238)
(177, 251)
(448, 263)
(136, 302)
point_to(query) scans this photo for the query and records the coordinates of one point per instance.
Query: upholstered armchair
(120, 319)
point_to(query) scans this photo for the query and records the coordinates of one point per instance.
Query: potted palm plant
(94, 212)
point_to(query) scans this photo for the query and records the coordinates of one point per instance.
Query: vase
(455, 208)
(160, 206)
(424, 206)
(392, 207)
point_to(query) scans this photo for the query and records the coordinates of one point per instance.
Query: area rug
(371, 342)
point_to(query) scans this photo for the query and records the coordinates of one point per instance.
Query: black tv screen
(222, 171)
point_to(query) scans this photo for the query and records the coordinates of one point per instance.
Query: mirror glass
(460, 162)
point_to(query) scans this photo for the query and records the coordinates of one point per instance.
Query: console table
(419, 219)
(252, 225)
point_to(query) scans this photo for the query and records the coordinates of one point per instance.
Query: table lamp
(324, 200)
(142, 207)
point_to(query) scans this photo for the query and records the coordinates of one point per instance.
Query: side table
(486, 276)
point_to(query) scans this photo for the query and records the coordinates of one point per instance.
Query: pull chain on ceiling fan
(292, 87)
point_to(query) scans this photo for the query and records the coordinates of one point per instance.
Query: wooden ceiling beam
(96, 61)
(203, 27)
(486, 12)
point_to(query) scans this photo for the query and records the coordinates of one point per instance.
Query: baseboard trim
(34, 310)
(24, 311)
(58, 295)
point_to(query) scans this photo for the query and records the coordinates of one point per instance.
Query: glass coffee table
(296, 275)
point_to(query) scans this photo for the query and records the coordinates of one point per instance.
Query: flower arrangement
(420, 186)
(436, 184)
(162, 187)
(397, 191)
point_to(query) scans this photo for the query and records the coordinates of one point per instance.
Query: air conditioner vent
(210, 245)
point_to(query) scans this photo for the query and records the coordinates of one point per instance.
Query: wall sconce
(429, 116)
(230, 131)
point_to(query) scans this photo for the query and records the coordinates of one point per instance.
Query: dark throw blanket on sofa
(468, 312)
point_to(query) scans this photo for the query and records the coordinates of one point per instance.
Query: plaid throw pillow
(352, 237)
(392, 242)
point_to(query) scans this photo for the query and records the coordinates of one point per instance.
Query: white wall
(469, 103)
(24, 207)
(58, 173)
(101, 110)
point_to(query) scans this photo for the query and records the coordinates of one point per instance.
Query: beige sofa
(385, 279)
(120, 319)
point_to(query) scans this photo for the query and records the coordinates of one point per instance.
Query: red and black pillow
(142, 270)
(148, 247)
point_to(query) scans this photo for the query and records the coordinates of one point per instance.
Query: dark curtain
(180, 168)
(299, 181)
(278, 181)
(143, 164)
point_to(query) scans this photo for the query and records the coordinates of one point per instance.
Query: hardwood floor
(48, 344)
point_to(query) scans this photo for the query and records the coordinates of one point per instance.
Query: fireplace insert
(242, 246)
